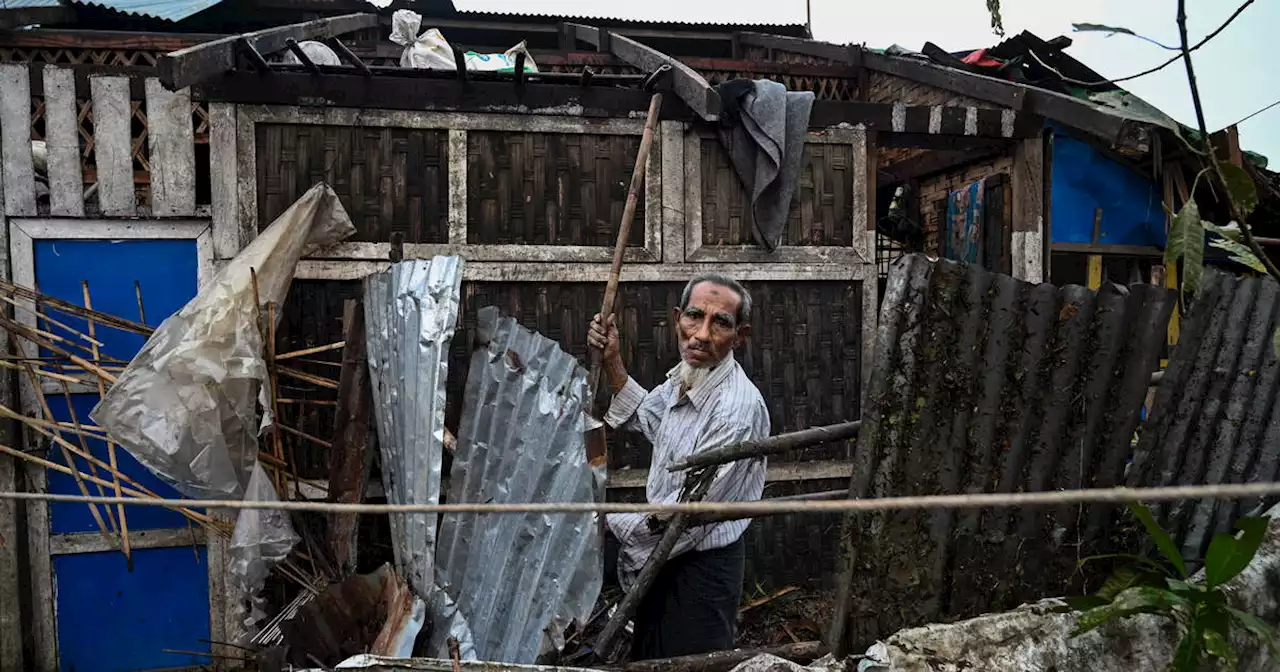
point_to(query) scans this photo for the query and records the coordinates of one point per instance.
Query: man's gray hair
(744, 297)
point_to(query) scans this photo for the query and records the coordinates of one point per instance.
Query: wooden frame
(457, 124)
(22, 234)
(861, 252)
(184, 67)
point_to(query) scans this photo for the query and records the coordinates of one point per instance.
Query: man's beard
(691, 376)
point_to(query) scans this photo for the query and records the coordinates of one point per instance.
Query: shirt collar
(699, 395)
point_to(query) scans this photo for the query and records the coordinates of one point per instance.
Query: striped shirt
(723, 410)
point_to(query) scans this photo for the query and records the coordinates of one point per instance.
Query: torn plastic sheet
(371, 663)
(262, 538)
(411, 311)
(187, 405)
(518, 577)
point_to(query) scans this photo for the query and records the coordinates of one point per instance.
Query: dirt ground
(784, 616)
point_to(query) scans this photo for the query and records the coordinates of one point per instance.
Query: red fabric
(980, 59)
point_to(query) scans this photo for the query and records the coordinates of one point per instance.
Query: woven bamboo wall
(821, 215)
(549, 188)
(388, 179)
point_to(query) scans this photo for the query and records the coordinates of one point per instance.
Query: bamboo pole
(312, 351)
(68, 308)
(111, 446)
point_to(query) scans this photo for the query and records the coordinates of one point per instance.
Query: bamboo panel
(821, 214)
(549, 188)
(884, 88)
(388, 179)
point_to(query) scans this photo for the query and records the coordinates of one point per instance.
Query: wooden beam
(936, 162)
(690, 86)
(836, 53)
(18, 17)
(66, 38)
(1082, 115)
(989, 89)
(192, 65)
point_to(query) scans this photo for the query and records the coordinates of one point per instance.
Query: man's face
(708, 328)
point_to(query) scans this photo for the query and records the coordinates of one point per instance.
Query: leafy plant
(1146, 586)
(997, 21)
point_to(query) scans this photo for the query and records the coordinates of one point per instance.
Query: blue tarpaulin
(1085, 180)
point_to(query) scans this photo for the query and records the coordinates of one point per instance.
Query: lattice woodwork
(549, 188)
(79, 56)
(821, 213)
(388, 179)
(823, 87)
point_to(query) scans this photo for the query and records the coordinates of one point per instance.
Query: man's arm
(627, 393)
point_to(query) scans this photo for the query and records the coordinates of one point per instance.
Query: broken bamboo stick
(111, 446)
(319, 381)
(311, 351)
(68, 308)
(84, 445)
(23, 331)
(274, 381)
(770, 445)
(49, 320)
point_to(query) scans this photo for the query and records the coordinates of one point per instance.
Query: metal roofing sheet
(983, 383)
(411, 311)
(520, 440)
(1216, 417)
(165, 10)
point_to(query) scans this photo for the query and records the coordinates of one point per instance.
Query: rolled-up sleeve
(625, 403)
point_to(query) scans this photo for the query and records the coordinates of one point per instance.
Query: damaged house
(144, 150)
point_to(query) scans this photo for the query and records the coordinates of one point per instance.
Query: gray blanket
(763, 127)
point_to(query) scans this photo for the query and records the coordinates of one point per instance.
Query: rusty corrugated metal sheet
(520, 439)
(983, 383)
(1216, 417)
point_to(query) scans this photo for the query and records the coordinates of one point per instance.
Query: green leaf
(1100, 28)
(1216, 645)
(1161, 538)
(1127, 577)
(1230, 231)
(1241, 187)
(1186, 242)
(1239, 253)
(1135, 559)
(1084, 603)
(1187, 656)
(1139, 600)
(1228, 556)
(1260, 629)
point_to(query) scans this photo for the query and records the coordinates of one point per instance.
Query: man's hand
(604, 337)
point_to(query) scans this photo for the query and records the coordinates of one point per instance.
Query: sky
(1231, 70)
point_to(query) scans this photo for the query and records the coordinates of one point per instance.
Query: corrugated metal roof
(1216, 417)
(411, 311)
(22, 4)
(520, 440)
(671, 14)
(165, 10)
(983, 383)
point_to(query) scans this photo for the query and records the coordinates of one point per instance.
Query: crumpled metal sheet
(411, 311)
(520, 440)
(983, 383)
(1216, 416)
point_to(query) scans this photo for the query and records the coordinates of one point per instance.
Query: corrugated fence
(1215, 418)
(983, 383)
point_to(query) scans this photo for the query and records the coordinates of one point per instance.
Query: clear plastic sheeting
(187, 405)
(411, 311)
(516, 577)
(261, 539)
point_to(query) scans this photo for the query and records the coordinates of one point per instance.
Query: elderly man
(706, 402)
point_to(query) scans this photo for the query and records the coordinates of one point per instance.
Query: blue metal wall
(109, 618)
(1084, 180)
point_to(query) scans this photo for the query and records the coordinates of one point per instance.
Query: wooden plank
(981, 87)
(690, 86)
(62, 139)
(457, 159)
(1028, 210)
(64, 38)
(347, 469)
(184, 67)
(171, 147)
(15, 140)
(112, 142)
(17, 17)
(223, 191)
(673, 181)
(832, 52)
(1104, 249)
(93, 542)
(1081, 115)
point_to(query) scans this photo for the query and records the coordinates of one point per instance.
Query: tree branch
(1236, 212)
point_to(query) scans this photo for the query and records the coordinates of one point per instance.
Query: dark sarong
(693, 605)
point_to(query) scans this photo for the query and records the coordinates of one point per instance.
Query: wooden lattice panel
(821, 214)
(549, 188)
(79, 56)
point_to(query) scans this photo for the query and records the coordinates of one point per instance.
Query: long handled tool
(597, 451)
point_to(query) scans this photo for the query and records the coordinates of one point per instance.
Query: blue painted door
(110, 618)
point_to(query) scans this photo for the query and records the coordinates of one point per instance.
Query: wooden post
(1095, 259)
(1028, 210)
(348, 458)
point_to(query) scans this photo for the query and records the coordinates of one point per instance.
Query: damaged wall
(983, 383)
